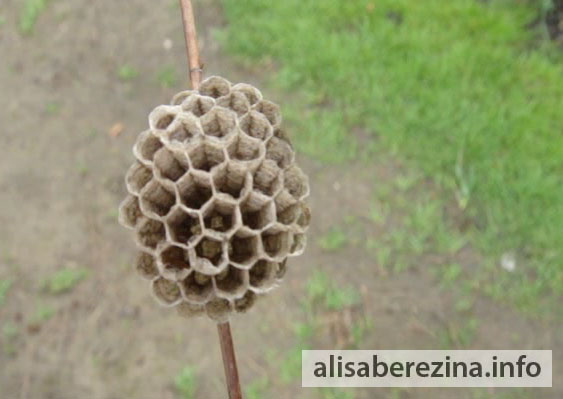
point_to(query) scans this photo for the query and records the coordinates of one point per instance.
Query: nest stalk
(195, 75)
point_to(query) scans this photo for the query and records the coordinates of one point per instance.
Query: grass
(167, 77)
(322, 290)
(64, 280)
(185, 383)
(462, 89)
(30, 13)
(127, 73)
(5, 285)
(257, 389)
(333, 240)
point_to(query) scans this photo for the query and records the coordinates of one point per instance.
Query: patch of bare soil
(61, 179)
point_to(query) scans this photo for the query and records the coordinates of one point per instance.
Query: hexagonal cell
(215, 87)
(189, 310)
(256, 125)
(232, 283)
(166, 292)
(284, 200)
(180, 97)
(296, 182)
(280, 152)
(305, 216)
(245, 148)
(205, 156)
(193, 193)
(218, 122)
(146, 146)
(162, 116)
(282, 135)
(182, 227)
(175, 261)
(198, 105)
(157, 199)
(130, 212)
(252, 93)
(137, 177)
(275, 242)
(235, 101)
(258, 211)
(289, 215)
(270, 110)
(243, 247)
(221, 216)
(218, 309)
(298, 244)
(210, 249)
(185, 129)
(268, 178)
(262, 275)
(241, 305)
(233, 179)
(145, 265)
(150, 233)
(197, 287)
(169, 165)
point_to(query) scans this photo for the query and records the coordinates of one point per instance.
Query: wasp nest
(215, 199)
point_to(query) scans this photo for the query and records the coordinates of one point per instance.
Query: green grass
(5, 286)
(462, 89)
(127, 73)
(185, 383)
(167, 77)
(30, 13)
(333, 240)
(65, 280)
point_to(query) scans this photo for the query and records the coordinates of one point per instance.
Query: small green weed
(167, 77)
(321, 290)
(257, 389)
(333, 240)
(5, 286)
(43, 313)
(31, 11)
(65, 280)
(127, 73)
(185, 383)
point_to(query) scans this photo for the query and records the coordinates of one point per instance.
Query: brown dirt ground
(61, 179)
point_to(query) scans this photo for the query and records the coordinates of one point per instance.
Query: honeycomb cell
(262, 275)
(145, 264)
(232, 180)
(186, 130)
(219, 122)
(235, 101)
(270, 110)
(215, 87)
(205, 156)
(275, 242)
(221, 216)
(198, 105)
(252, 93)
(130, 212)
(182, 227)
(243, 248)
(156, 200)
(258, 211)
(280, 152)
(166, 292)
(232, 283)
(193, 194)
(218, 309)
(295, 182)
(211, 251)
(137, 177)
(197, 288)
(168, 165)
(180, 97)
(215, 199)
(150, 233)
(162, 117)
(175, 262)
(245, 148)
(243, 304)
(256, 125)
(147, 145)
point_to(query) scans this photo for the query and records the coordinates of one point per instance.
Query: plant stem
(192, 50)
(229, 360)
(195, 74)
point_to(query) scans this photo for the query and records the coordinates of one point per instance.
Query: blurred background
(432, 132)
